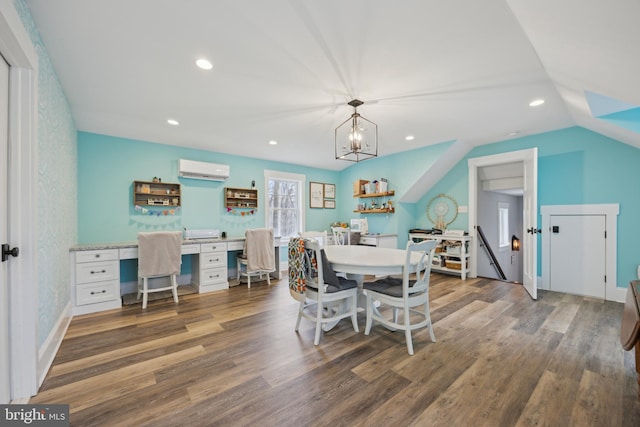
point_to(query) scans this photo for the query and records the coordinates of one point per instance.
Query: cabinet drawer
(212, 276)
(90, 293)
(190, 249)
(213, 259)
(237, 245)
(98, 255)
(368, 241)
(213, 247)
(128, 253)
(89, 272)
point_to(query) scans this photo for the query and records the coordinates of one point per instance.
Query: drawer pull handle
(101, 292)
(97, 255)
(101, 271)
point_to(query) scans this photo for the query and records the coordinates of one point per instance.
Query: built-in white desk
(95, 269)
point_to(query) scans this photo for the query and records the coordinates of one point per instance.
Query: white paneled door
(4, 282)
(577, 254)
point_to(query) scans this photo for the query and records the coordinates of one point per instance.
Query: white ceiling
(284, 70)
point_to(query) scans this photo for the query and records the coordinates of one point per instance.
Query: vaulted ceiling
(284, 70)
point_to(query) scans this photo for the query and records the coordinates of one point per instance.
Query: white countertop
(134, 244)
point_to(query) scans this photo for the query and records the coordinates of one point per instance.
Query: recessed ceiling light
(409, 138)
(273, 142)
(513, 133)
(536, 102)
(205, 64)
(173, 122)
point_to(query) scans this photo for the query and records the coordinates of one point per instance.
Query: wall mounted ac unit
(202, 170)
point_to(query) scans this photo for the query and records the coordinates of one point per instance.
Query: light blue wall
(575, 166)
(57, 203)
(107, 167)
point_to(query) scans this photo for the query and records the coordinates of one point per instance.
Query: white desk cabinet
(449, 258)
(96, 281)
(210, 267)
(380, 240)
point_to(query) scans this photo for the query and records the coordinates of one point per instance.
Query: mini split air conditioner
(203, 170)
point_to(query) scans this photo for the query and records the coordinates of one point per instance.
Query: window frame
(504, 237)
(286, 176)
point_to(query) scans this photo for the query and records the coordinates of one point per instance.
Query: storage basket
(452, 264)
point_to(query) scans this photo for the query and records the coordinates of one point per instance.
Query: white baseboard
(50, 347)
(619, 294)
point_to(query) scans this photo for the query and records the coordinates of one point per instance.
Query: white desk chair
(324, 290)
(159, 255)
(341, 236)
(410, 296)
(319, 236)
(258, 258)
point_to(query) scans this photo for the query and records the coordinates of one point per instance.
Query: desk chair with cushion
(159, 255)
(258, 258)
(319, 236)
(323, 290)
(341, 235)
(409, 295)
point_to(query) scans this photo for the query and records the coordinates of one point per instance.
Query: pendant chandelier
(356, 138)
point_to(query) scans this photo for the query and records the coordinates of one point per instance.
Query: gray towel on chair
(159, 253)
(260, 250)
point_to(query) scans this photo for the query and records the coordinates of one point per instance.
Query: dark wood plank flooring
(232, 358)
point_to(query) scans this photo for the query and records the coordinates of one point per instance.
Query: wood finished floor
(232, 358)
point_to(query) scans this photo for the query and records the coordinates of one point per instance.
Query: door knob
(6, 252)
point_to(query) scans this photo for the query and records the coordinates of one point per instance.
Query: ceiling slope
(284, 70)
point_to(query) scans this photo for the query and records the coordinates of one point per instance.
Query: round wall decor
(442, 210)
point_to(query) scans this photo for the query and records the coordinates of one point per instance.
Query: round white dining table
(358, 260)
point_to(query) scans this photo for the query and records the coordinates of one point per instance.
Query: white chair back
(319, 236)
(341, 235)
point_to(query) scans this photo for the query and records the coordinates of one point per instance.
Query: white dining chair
(341, 235)
(324, 292)
(258, 257)
(159, 255)
(411, 296)
(320, 236)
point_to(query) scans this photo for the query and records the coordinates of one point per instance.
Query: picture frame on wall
(316, 195)
(330, 191)
(330, 204)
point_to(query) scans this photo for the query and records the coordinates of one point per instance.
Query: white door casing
(529, 247)
(5, 385)
(18, 51)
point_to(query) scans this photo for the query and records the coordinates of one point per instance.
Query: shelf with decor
(452, 253)
(361, 188)
(240, 198)
(150, 193)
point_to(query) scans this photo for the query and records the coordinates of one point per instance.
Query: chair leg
(300, 309)
(367, 328)
(248, 278)
(268, 279)
(316, 339)
(354, 312)
(239, 268)
(145, 291)
(428, 316)
(174, 288)
(407, 330)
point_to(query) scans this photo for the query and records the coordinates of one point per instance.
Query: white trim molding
(611, 212)
(19, 52)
